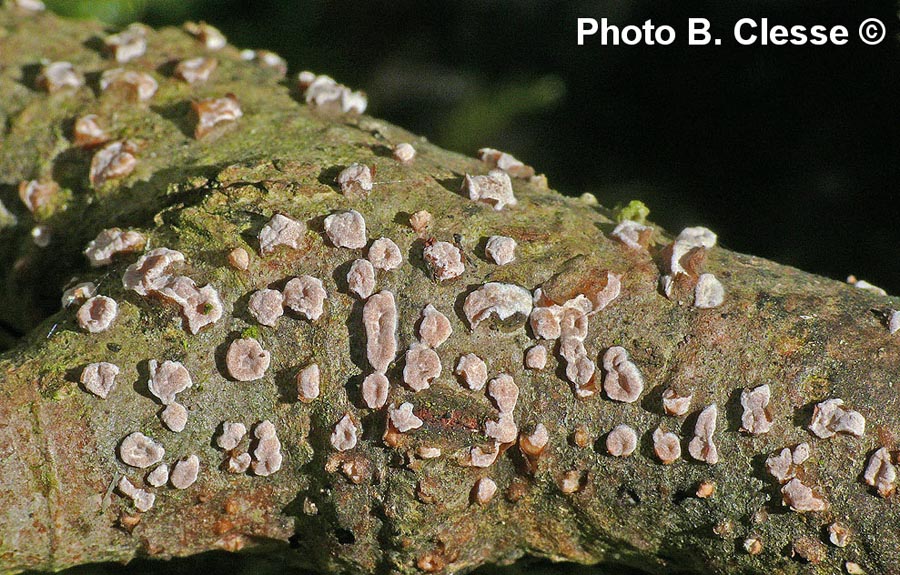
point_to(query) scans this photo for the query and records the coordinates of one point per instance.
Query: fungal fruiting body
(434, 327)
(621, 441)
(138, 86)
(305, 295)
(128, 44)
(213, 113)
(209, 35)
(246, 360)
(239, 259)
(196, 70)
(324, 91)
(385, 254)
(58, 76)
(280, 231)
(420, 221)
(404, 153)
(100, 378)
(623, 381)
(138, 450)
(355, 180)
(110, 242)
(231, 435)
(675, 403)
(89, 132)
(343, 438)
(501, 249)
(881, 473)
(113, 161)
(472, 370)
(702, 447)
(504, 392)
(536, 357)
(422, 367)
(380, 322)
(167, 380)
(185, 472)
(494, 189)
(830, 417)
(666, 445)
(159, 476)
(484, 490)
(346, 229)
(445, 260)
(36, 194)
(375, 389)
(266, 305)
(78, 294)
(308, 383)
(786, 464)
(267, 456)
(633, 234)
(502, 300)
(506, 162)
(801, 498)
(143, 500)
(403, 419)
(361, 278)
(756, 418)
(175, 417)
(97, 314)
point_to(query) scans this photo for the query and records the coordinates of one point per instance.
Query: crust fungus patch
(839, 534)
(110, 242)
(503, 430)
(633, 234)
(280, 231)
(675, 403)
(504, 392)
(239, 259)
(881, 473)
(472, 370)
(786, 464)
(580, 369)
(756, 418)
(266, 306)
(801, 498)
(143, 500)
(355, 181)
(343, 438)
(423, 366)
(346, 229)
(623, 381)
(79, 293)
(709, 292)
(494, 189)
(380, 322)
(36, 194)
(305, 295)
(138, 450)
(893, 322)
(238, 463)
(830, 418)
(58, 76)
(199, 306)
(207, 34)
(434, 327)
(167, 380)
(484, 490)
(621, 441)
(420, 221)
(231, 435)
(502, 300)
(571, 481)
(536, 357)
(137, 86)
(404, 153)
(113, 161)
(666, 446)
(445, 260)
(375, 389)
(100, 378)
(88, 132)
(323, 91)
(196, 70)
(97, 314)
(159, 476)
(214, 112)
(174, 417)
(185, 472)
(361, 278)
(402, 418)
(308, 385)
(148, 274)
(246, 360)
(684, 259)
(701, 446)
(267, 455)
(481, 456)
(533, 444)
(506, 162)
(384, 254)
(501, 250)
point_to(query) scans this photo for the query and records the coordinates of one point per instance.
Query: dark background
(787, 152)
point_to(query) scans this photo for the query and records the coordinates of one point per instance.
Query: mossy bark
(809, 338)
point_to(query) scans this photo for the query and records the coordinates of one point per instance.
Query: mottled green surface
(809, 338)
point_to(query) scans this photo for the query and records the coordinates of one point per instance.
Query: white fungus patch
(143, 500)
(100, 378)
(36, 194)
(801, 498)
(603, 297)
(231, 435)
(420, 221)
(697, 237)
(434, 327)
(239, 259)
(675, 403)
(427, 452)
(212, 113)
(361, 278)
(481, 456)
(267, 455)
(97, 314)
(881, 473)
(113, 161)
(57, 76)
(110, 242)
(571, 481)
(404, 153)
(324, 91)
(502, 300)
(403, 419)
(544, 322)
(445, 260)
(709, 292)
(864, 285)
(88, 132)
(280, 231)
(472, 370)
(346, 229)
(536, 357)
(666, 446)
(343, 438)
(159, 476)
(196, 70)
(756, 418)
(839, 534)
(623, 381)
(830, 418)
(239, 463)
(355, 180)
(305, 295)
(423, 366)
(78, 294)
(501, 249)
(148, 274)
(384, 254)
(580, 370)
(246, 360)
(533, 444)
(185, 472)
(174, 417)
(209, 35)
(894, 322)
(29, 5)
(266, 306)
(506, 162)
(621, 441)
(634, 235)
(138, 86)
(167, 380)
(484, 490)
(138, 450)
(375, 389)
(504, 392)
(380, 322)
(701, 446)
(503, 430)
(494, 189)
(199, 306)
(308, 383)
(785, 465)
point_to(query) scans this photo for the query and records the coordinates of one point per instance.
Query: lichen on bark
(380, 507)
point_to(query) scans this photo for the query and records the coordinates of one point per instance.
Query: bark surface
(809, 338)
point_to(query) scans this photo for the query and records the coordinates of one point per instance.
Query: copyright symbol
(872, 31)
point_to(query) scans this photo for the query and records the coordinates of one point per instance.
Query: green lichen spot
(249, 332)
(635, 210)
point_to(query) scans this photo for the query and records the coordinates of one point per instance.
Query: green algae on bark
(380, 507)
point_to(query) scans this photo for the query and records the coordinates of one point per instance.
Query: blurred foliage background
(788, 152)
